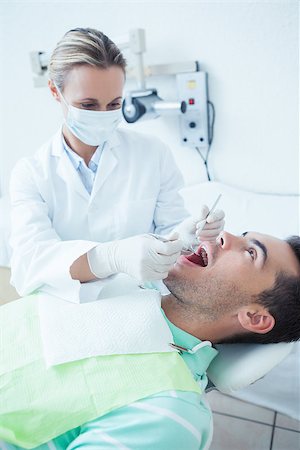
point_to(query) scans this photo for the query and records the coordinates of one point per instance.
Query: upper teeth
(204, 255)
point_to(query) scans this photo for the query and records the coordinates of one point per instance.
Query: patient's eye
(252, 253)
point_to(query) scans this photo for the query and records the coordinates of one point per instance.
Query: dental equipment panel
(192, 89)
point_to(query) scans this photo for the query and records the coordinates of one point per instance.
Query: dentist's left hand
(143, 257)
(197, 228)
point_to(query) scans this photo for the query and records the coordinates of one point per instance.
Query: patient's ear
(256, 318)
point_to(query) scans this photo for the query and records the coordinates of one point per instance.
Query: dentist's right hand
(143, 257)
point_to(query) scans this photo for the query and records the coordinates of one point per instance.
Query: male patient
(243, 289)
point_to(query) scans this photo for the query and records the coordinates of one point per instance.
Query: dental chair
(238, 365)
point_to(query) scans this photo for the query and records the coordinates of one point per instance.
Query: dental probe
(205, 220)
(164, 239)
(209, 213)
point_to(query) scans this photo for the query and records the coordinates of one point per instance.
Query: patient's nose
(226, 240)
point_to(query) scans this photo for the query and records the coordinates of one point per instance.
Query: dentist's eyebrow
(260, 245)
(117, 99)
(88, 99)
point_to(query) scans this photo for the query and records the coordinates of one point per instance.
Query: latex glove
(190, 231)
(214, 224)
(143, 257)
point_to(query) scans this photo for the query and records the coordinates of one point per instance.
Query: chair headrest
(238, 365)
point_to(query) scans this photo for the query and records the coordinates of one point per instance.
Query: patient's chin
(172, 275)
(179, 288)
(168, 281)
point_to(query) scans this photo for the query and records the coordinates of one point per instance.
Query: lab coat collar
(107, 163)
(114, 140)
(67, 171)
(58, 149)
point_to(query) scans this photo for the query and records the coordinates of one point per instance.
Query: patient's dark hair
(283, 302)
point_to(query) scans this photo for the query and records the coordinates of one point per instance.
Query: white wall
(249, 49)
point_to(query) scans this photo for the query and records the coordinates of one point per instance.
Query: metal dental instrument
(159, 237)
(190, 248)
(205, 221)
(210, 212)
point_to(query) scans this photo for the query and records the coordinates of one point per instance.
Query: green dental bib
(39, 403)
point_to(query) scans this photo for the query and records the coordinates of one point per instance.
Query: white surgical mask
(91, 127)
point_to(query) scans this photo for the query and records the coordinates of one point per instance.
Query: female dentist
(82, 203)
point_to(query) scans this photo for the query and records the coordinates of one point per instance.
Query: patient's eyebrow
(262, 247)
(258, 244)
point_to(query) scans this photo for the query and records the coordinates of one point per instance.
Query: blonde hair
(83, 46)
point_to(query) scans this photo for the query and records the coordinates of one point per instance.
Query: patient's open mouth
(200, 257)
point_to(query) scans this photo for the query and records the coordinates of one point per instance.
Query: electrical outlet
(192, 88)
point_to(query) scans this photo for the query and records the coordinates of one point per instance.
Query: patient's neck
(202, 328)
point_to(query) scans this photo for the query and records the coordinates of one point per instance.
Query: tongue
(196, 259)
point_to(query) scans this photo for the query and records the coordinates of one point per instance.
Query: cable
(210, 139)
(204, 159)
(212, 124)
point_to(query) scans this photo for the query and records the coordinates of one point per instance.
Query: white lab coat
(54, 219)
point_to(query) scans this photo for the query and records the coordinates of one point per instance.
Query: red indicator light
(191, 101)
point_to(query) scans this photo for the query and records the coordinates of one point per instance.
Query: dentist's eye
(88, 105)
(252, 253)
(114, 106)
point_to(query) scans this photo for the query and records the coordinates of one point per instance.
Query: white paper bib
(115, 325)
